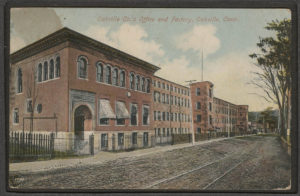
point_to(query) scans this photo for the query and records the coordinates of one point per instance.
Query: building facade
(214, 114)
(171, 108)
(90, 88)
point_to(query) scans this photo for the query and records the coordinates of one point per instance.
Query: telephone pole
(191, 111)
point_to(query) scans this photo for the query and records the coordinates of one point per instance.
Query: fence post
(91, 144)
(52, 145)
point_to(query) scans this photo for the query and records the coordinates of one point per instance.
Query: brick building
(213, 114)
(171, 108)
(94, 89)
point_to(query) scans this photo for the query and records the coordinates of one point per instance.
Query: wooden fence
(30, 146)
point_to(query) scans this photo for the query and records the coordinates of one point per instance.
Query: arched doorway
(82, 121)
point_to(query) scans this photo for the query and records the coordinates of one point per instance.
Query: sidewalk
(101, 157)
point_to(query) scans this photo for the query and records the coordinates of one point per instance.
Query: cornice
(66, 34)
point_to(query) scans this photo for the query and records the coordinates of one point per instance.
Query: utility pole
(228, 119)
(202, 67)
(191, 111)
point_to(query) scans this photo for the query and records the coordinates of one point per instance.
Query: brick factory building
(213, 114)
(90, 88)
(171, 108)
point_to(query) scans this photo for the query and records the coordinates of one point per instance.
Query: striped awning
(105, 109)
(121, 111)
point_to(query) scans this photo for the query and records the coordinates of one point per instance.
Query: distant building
(213, 114)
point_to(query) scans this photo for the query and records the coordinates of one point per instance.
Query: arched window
(82, 67)
(99, 72)
(132, 81)
(137, 83)
(122, 79)
(19, 81)
(148, 86)
(51, 73)
(143, 84)
(40, 72)
(57, 67)
(45, 70)
(108, 75)
(115, 77)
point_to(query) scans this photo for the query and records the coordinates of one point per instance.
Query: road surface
(245, 163)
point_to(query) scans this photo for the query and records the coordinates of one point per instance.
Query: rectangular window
(105, 112)
(134, 138)
(29, 105)
(164, 132)
(167, 99)
(158, 115)
(163, 116)
(158, 84)
(210, 106)
(167, 86)
(198, 130)
(121, 113)
(154, 82)
(163, 85)
(158, 132)
(171, 88)
(154, 96)
(171, 116)
(198, 91)
(210, 92)
(198, 105)
(145, 138)
(175, 117)
(171, 99)
(158, 96)
(198, 118)
(16, 115)
(175, 99)
(168, 117)
(210, 120)
(104, 140)
(163, 98)
(133, 114)
(120, 139)
(154, 114)
(145, 115)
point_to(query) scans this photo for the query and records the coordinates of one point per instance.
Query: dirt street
(246, 163)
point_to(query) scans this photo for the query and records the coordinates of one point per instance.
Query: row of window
(113, 75)
(225, 110)
(198, 93)
(198, 106)
(106, 113)
(165, 132)
(199, 119)
(48, 70)
(166, 116)
(171, 88)
(173, 100)
(121, 138)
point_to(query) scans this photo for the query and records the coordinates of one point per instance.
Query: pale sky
(226, 37)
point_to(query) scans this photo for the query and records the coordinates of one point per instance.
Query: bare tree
(31, 93)
(274, 63)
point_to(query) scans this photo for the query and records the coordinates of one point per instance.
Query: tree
(274, 63)
(31, 93)
(267, 117)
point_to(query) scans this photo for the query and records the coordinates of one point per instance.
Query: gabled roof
(66, 34)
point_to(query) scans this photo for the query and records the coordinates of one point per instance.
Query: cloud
(26, 25)
(129, 38)
(229, 73)
(16, 43)
(201, 37)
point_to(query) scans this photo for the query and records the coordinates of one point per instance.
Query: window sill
(48, 80)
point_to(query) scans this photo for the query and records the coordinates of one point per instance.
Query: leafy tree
(274, 63)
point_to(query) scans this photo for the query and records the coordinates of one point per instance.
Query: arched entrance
(82, 121)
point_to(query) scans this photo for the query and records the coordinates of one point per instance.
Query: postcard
(106, 99)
